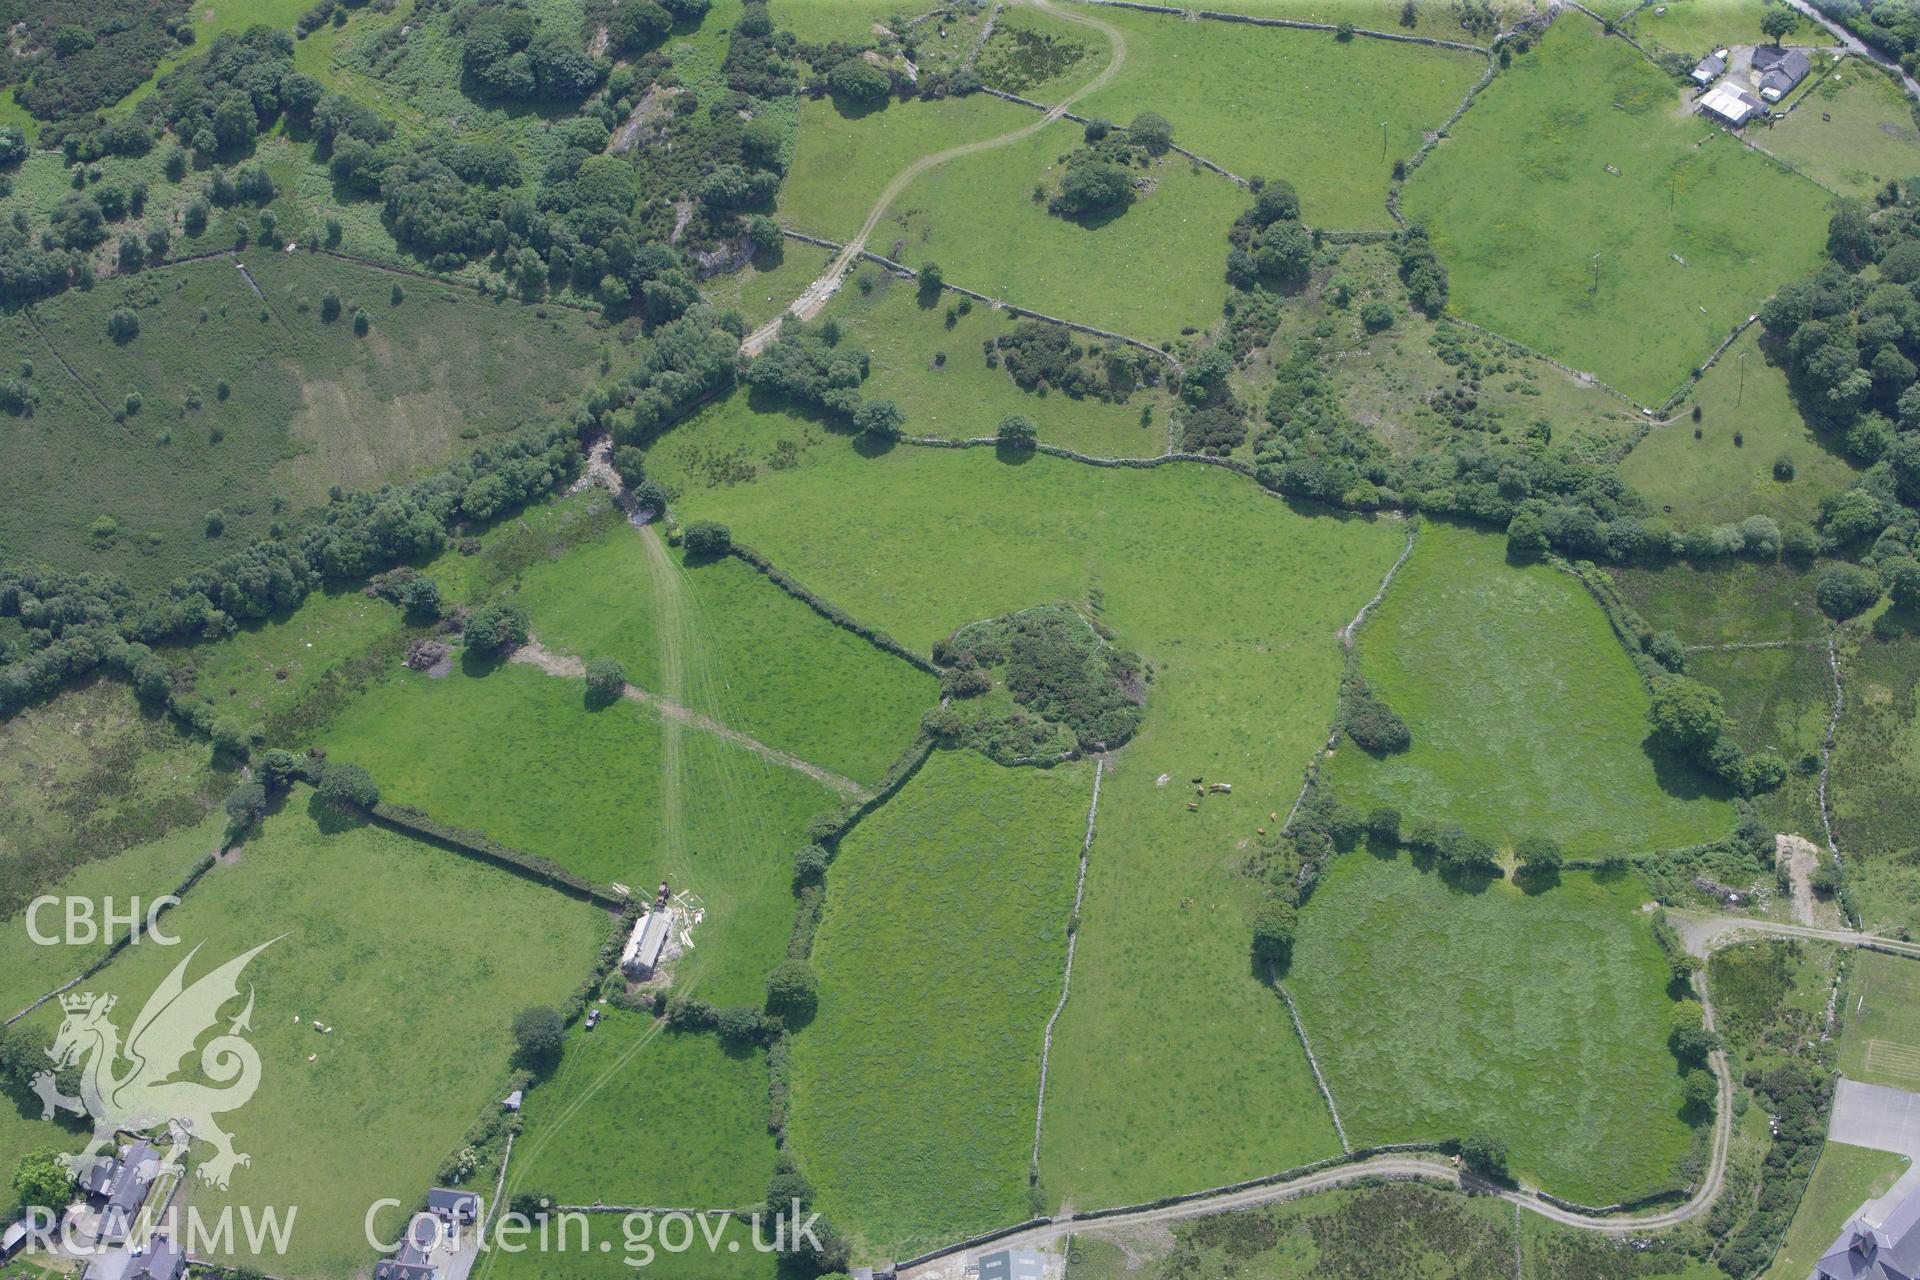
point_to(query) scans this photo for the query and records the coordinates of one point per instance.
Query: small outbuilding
(1013, 1264)
(1710, 68)
(1730, 106)
(642, 954)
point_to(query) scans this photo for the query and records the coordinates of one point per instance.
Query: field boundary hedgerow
(827, 609)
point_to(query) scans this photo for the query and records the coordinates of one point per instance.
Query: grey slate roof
(1889, 1250)
(163, 1260)
(461, 1206)
(1786, 72)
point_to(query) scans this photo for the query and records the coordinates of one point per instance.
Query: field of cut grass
(1844, 1179)
(141, 874)
(1437, 1009)
(1855, 132)
(1520, 200)
(843, 160)
(766, 663)
(1282, 103)
(1147, 272)
(310, 404)
(1881, 1044)
(87, 775)
(636, 1114)
(1712, 479)
(613, 795)
(371, 923)
(945, 931)
(1245, 667)
(963, 397)
(1527, 716)
(1698, 27)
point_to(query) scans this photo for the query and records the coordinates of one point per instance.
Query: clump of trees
(1098, 177)
(496, 629)
(708, 538)
(1058, 670)
(1688, 717)
(1041, 356)
(1270, 246)
(1421, 270)
(1373, 725)
(820, 366)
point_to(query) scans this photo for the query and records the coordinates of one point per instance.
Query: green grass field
(767, 664)
(1439, 1009)
(1881, 1044)
(1148, 272)
(766, 286)
(640, 1253)
(1245, 670)
(1519, 201)
(1712, 479)
(1698, 27)
(1393, 382)
(87, 775)
(1876, 758)
(281, 671)
(842, 161)
(963, 397)
(635, 1114)
(1299, 105)
(372, 922)
(310, 404)
(1732, 602)
(1855, 132)
(939, 960)
(1844, 1179)
(29, 970)
(613, 795)
(1527, 716)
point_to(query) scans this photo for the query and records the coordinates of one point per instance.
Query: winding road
(1702, 934)
(815, 296)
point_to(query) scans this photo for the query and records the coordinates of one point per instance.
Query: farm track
(675, 715)
(816, 295)
(1703, 935)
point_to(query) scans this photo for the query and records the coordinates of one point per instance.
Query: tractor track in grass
(675, 715)
(816, 295)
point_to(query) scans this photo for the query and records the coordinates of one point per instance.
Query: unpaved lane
(815, 296)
